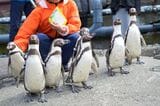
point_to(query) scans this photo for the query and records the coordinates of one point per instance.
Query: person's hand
(61, 29)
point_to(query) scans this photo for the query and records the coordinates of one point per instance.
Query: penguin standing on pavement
(16, 61)
(80, 66)
(134, 39)
(53, 64)
(86, 37)
(116, 54)
(34, 78)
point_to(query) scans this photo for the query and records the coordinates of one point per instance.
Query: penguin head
(85, 34)
(132, 11)
(117, 21)
(11, 46)
(116, 27)
(33, 42)
(33, 39)
(60, 42)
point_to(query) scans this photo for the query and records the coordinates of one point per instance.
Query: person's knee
(42, 36)
(73, 37)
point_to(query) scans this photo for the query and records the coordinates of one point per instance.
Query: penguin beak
(87, 37)
(93, 34)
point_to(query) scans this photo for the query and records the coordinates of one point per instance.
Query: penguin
(80, 66)
(53, 64)
(115, 56)
(86, 37)
(134, 39)
(34, 78)
(16, 61)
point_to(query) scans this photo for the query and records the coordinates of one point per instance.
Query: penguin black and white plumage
(116, 54)
(134, 40)
(80, 66)
(53, 64)
(16, 61)
(86, 37)
(34, 78)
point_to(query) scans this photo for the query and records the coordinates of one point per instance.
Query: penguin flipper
(143, 42)
(126, 52)
(9, 65)
(42, 62)
(62, 71)
(95, 57)
(94, 68)
(107, 55)
(19, 76)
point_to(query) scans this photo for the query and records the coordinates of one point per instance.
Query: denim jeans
(16, 11)
(67, 50)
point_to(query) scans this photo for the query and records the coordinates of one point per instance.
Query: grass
(3, 49)
(4, 29)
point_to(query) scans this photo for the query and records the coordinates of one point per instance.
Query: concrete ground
(141, 87)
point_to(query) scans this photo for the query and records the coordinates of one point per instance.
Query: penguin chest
(53, 70)
(16, 64)
(81, 70)
(117, 54)
(34, 75)
(133, 42)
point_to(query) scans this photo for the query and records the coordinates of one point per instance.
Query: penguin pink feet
(139, 62)
(110, 73)
(75, 89)
(59, 89)
(122, 71)
(42, 98)
(85, 86)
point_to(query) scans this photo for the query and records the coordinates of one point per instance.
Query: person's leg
(84, 13)
(84, 19)
(122, 13)
(67, 50)
(15, 18)
(28, 7)
(44, 44)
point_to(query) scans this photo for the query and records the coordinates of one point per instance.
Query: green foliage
(4, 29)
(3, 49)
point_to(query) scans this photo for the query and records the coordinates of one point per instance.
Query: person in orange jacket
(38, 23)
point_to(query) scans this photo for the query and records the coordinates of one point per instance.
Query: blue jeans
(67, 50)
(16, 11)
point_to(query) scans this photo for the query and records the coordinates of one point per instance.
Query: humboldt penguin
(16, 61)
(53, 64)
(134, 40)
(115, 56)
(86, 37)
(34, 78)
(80, 66)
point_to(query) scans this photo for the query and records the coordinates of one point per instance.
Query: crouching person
(42, 22)
(58, 19)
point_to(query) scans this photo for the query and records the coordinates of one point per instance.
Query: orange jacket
(38, 22)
